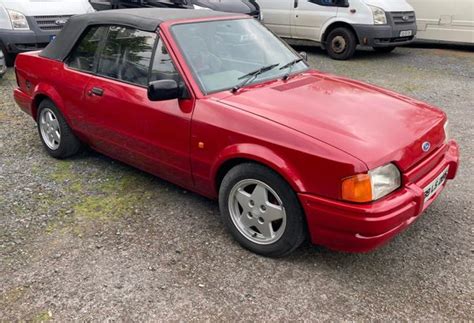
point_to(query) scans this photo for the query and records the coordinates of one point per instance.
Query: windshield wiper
(249, 77)
(290, 65)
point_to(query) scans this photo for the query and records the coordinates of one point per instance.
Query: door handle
(96, 91)
(295, 4)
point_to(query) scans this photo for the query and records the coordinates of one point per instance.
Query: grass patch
(12, 296)
(43, 316)
(97, 195)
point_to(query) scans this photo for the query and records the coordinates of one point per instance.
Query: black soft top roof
(146, 19)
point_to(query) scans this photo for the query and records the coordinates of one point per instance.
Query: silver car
(3, 64)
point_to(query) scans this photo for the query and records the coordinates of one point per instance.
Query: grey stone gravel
(92, 239)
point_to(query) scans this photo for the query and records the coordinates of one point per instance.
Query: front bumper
(19, 41)
(22, 41)
(384, 35)
(363, 227)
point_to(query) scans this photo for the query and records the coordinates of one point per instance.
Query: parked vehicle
(121, 4)
(3, 65)
(30, 25)
(340, 25)
(217, 104)
(445, 21)
(249, 7)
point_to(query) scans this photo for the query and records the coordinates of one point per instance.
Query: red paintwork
(314, 130)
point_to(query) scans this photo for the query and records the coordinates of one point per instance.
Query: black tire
(294, 232)
(9, 58)
(385, 49)
(341, 50)
(69, 145)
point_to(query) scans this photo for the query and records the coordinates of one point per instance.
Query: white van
(340, 25)
(441, 21)
(31, 24)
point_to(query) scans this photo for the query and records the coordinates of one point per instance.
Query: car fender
(259, 154)
(47, 90)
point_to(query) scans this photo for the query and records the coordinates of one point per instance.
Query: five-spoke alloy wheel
(261, 210)
(49, 128)
(55, 133)
(257, 211)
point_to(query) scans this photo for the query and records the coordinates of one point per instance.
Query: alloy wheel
(257, 211)
(49, 128)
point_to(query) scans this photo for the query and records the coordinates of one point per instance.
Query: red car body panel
(369, 123)
(314, 130)
(361, 228)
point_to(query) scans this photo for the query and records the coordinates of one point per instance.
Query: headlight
(372, 186)
(380, 18)
(447, 133)
(18, 20)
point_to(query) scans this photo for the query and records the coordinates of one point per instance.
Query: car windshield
(223, 54)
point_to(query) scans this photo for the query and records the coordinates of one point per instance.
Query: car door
(123, 122)
(78, 72)
(277, 16)
(309, 17)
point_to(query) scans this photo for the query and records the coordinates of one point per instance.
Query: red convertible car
(217, 104)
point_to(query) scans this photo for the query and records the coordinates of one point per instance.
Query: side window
(163, 67)
(83, 55)
(329, 3)
(127, 55)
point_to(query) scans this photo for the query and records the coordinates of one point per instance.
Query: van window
(83, 55)
(127, 55)
(328, 3)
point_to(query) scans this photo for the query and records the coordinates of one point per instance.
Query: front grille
(403, 18)
(51, 23)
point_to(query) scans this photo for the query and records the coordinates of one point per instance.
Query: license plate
(406, 33)
(436, 185)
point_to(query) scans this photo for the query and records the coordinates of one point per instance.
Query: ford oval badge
(426, 146)
(60, 22)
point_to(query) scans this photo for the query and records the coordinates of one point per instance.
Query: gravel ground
(93, 239)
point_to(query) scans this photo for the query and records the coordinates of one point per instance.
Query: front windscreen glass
(221, 53)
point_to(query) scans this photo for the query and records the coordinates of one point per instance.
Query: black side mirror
(163, 90)
(343, 3)
(304, 56)
(102, 5)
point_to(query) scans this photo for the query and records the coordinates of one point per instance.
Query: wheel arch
(40, 97)
(333, 25)
(46, 92)
(249, 153)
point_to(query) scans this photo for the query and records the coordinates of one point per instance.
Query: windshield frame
(255, 82)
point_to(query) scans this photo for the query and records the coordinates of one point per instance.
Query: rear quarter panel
(36, 78)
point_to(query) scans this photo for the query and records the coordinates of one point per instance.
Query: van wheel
(55, 133)
(261, 210)
(9, 58)
(385, 49)
(341, 43)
